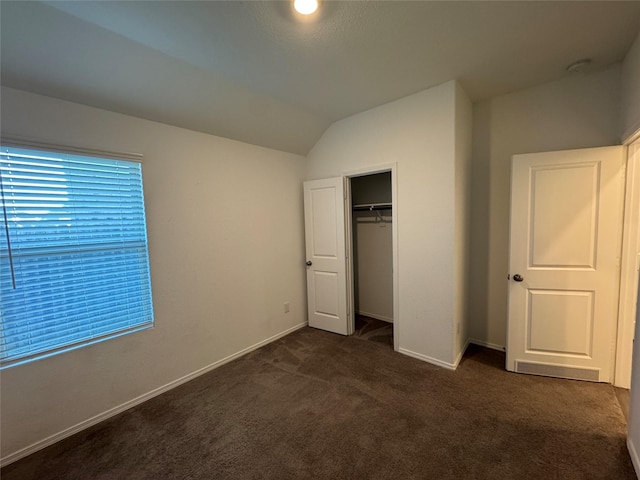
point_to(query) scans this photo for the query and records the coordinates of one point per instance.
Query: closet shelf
(374, 206)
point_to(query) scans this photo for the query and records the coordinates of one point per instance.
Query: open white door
(566, 231)
(325, 249)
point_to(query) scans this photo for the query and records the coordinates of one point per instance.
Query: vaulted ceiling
(257, 72)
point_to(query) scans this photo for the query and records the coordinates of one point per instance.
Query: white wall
(418, 134)
(633, 436)
(463, 136)
(630, 83)
(374, 255)
(575, 112)
(225, 229)
(630, 123)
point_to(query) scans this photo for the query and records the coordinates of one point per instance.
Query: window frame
(50, 148)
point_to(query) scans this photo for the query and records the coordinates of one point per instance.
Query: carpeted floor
(374, 330)
(314, 405)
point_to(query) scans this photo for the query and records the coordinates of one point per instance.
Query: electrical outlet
(287, 307)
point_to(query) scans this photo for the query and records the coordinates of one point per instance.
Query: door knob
(309, 263)
(517, 277)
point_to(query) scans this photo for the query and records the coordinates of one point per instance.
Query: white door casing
(325, 250)
(630, 265)
(566, 230)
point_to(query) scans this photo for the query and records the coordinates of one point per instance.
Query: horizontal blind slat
(25, 354)
(51, 330)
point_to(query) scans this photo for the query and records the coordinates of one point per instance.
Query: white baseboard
(377, 317)
(435, 361)
(492, 346)
(426, 358)
(461, 354)
(633, 453)
(67, 432)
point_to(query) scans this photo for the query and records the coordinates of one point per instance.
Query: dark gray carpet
(314, 405)
(374, 330)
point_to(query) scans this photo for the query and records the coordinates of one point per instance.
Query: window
(74, 266)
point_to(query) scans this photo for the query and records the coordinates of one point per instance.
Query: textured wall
(576, 112)
(630, 102)
(417, 134)
(225, 229)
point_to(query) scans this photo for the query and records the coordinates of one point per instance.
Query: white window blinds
(74, 266)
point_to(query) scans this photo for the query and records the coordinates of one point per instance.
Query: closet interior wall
(373, 245)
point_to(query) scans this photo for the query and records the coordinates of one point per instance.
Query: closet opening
(371, 243)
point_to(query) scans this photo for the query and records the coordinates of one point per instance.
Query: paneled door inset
(566, 233)
(326, 258)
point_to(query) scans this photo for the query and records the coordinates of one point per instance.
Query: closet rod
(373, 206)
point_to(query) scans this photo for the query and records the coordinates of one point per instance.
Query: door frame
(351, 314)
(629, 262)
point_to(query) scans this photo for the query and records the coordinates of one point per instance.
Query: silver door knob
(517, 278)
(309, 263)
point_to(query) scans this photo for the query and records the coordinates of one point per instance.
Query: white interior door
(566, 231)
(325, 249)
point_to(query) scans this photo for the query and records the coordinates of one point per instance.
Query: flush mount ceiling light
(305, 7)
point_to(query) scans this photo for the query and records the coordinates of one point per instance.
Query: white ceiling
(254, 72)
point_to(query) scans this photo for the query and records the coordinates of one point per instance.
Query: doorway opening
(371, 237)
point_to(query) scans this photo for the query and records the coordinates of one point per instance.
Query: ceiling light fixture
(305, 7)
